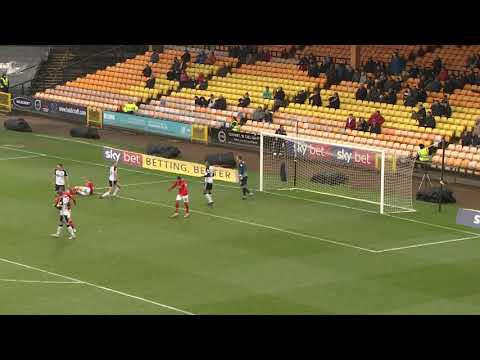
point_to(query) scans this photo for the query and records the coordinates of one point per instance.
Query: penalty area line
(427, 244)
(98, 286)
(294, 233)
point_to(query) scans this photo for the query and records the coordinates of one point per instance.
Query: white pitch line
(253, 224)
(21, 157)
(40, 281)
(427, 244)
(137, 184)
(98, 286)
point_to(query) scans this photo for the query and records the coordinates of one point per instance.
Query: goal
(377, 177)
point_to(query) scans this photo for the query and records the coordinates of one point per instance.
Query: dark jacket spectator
(201, 58)
(281, 131)
(150, 83)
(362, 125)
(421, 95)
(244, 101)
(476, 128)
(331, 76)
(361, 93)
(279, 94)
(348, 74)
(334, 101)
(437, 65)
(422, 113)
(396, 64)
(389, 84)
(351, 122)
(268, 114)
(186, 56)
(315, 99)
(370, 66)
(314, 70)
(446, 109)
(154, 58)
(201, 101)
(147, 72)
(434, 85)
(411, 99)
(430, 121)
(391, 97)
(437, 109)
(376, 121)
(356, 76)
(223, 71)
(301, 97)
(220, 103)
(258, 114)
(467, 139)
(373, 94)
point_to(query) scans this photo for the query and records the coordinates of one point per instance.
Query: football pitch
(275, 253)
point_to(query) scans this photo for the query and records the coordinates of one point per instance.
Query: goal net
(367, 175)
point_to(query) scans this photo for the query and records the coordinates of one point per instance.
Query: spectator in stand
(348, 74)
(356, 76)
(268, 114)
(416, 117)
(433, 85)
(437, 65)
(150, 83)
(466, 139)
(281, 131)
(430, 121)
(211, 59)
(363, 78)
(315, 99)
(376, 121)
(447, 110)
(211, 101)
(406, 92)
(334, 101)
(421, 111)
(351, 122)
(258, 114)
(220, 103)
(147, 72)
(185, 80)
(154, 58)
(473, 61)
(201, 101)
(331, 76)
(361, 93)
(303, 63)
(372, 94)
(279, 99)
(301, 97)
(244, 101)
(201, 82)
(411, 99)
(267, 94)
(391, 97)
(186, 56)
(436, 108)
(421, 95)
(389, 83)
(223, 70)
(340, 72)
(201, 58)
(362, 125)
(314, 69)
(396, 64)
(370, 65)
(443, 75)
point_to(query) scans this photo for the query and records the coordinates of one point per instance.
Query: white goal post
(370, 175)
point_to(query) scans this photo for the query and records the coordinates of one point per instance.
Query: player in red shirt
(182, 195)
(85, 190)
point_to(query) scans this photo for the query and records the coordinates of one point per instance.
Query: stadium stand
(112, 87)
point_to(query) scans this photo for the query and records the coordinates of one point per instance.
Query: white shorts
(65, 213)
(83, 190)
(184, 198)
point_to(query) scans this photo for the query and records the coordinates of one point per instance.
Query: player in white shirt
(113, 185)
(63, 202)
(208, 186)
(60, 177)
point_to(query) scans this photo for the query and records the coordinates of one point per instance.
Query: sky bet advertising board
(338, 154)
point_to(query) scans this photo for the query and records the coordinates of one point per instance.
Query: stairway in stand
(50, 72)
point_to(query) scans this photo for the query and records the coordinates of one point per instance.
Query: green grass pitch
(281, 253)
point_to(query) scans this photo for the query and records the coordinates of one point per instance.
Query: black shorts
(208, 186)
(244, 180)
(112, 183)
(59, 187)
